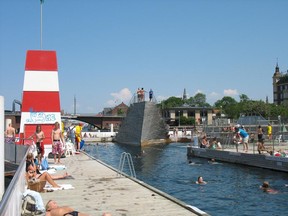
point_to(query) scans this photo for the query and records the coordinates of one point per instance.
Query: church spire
(277, 70)
(184, 94)
(277, 67)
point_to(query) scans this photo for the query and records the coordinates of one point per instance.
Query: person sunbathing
(31, 174)
(30, 161)
(53, 209)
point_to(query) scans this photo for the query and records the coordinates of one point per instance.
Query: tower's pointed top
(184, 94)
(277, 68)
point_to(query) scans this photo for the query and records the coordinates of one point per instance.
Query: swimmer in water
(266, 188)
(212, 161)
(193, 163)
(201, 181)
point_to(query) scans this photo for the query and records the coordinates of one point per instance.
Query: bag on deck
(44, 164)
(28, 205)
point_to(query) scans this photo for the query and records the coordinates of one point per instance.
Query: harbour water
(230, 190)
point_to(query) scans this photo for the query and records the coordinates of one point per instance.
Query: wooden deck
(99, 189)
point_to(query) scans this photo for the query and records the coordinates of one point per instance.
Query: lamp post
(179, 118)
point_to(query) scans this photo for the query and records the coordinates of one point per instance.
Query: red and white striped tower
(40, 99)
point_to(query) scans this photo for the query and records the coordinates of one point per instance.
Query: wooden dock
(98, 189)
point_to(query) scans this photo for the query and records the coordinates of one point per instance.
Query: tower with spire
(280, 87)
(184, 94)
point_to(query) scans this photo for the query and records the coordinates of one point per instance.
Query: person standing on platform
(245, 137)
(57, 137)
(150, 95)
(138, 95)
(78, 136)
(269, 131)
(10, 134)
(142, 94)
(39, 134)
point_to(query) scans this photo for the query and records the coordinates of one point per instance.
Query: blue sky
(106, 49)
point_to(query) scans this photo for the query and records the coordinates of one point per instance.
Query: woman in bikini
(33, 172)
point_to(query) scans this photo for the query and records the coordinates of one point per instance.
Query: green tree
(243, 98)
(172, 102)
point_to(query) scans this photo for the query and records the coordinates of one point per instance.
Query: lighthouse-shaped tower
(40, 99)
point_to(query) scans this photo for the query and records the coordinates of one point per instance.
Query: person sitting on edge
(204, 142)
(200, 180)
(53, 209)
(266, 188)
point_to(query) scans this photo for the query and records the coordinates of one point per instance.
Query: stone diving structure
(143, 126)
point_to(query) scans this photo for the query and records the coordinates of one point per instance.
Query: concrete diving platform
(231, 155)
(98, 189)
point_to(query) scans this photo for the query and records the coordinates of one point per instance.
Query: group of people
(57, 138)
(242, 136)
(141, 95)
(215, 144)
(52, 208)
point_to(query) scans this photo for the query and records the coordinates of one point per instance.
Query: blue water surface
(230, 190)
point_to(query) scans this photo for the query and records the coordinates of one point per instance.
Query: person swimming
(201, 181)
(190, 162)
(266, 188)
(213, 161)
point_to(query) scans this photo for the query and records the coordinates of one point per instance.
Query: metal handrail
(123, 158)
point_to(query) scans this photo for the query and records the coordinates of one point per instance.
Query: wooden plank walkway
(98, 189)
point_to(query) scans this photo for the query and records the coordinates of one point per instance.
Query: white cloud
(230, 92)
(124, 95)
(161, 98)
(198, 91)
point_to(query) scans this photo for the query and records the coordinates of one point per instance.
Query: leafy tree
(187, 121)
(200, 99)
(172, 102)
(243, 98)
(224, 102)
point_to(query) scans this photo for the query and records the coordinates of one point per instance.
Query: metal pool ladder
(126, 156)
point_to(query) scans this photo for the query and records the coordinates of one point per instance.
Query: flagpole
(41, 1)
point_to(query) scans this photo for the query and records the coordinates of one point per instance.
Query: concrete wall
(256, 160)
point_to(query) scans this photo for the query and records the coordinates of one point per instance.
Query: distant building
(113, 115)
(119, 110)
(280, 87)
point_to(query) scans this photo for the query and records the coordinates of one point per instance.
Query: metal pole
(41, 1)
(2, 149)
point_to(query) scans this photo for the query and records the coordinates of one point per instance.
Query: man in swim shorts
(57, 137)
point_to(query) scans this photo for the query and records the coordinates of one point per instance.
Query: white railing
(11, 202)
